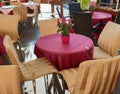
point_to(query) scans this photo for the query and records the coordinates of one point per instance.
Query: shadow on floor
(29, 35)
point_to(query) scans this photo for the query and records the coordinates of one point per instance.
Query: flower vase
(65, 39)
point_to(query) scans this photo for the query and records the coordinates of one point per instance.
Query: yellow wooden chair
(93, 76)
(33, 17)
(48, 26)
(15, 3)
(21, 11)
(9, 79)
(9, 26)
(32, 69)
(108, 42)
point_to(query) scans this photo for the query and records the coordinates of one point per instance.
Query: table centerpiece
(65, 28)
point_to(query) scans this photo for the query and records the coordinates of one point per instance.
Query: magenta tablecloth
(64, 56)
(2, 49)
(100, 16)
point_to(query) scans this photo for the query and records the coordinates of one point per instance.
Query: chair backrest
(37, 1)
(74, 7)
(109, 39)
(35, 10)
(56, 2)
(21, 12)
(83, 23)
(97, 76)
(9, 26)
(18, 4)
(11, 52)
(9, 80)
(48, 26)
(117, 19)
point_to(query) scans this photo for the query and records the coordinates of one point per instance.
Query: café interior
(59, 47)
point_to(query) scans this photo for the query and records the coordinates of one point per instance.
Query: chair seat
(70, 80)
(36, 68)
(99, 53)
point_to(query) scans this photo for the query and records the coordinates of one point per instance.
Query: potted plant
(65, 29)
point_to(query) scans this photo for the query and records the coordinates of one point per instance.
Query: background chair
(83, 24)
(9, 26)
(56, 2)
(108, 46)
(48, 26)
(22, 13)
(30, 70)
(38, 5)
(74, 7)
(33, 17)
(18, 4)
(93, 76)
(9, 79)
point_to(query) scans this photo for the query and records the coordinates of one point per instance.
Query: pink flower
(92, 3)
(63, 20)
(58, 21)
(70, 21)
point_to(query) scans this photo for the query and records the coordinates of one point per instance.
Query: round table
(63, 56)
(100, 17)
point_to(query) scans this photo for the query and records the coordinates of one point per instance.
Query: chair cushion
(100, 53)
(109, 39)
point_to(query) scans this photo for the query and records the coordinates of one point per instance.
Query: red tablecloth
(9, 11)
(64, 56)
(100, 16)
(2, 49)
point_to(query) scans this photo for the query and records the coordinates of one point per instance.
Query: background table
(64, 56)
(100, 17)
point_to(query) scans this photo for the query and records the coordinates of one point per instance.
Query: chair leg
(34, 86)
(45, 84)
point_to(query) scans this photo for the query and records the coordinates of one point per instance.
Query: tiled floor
(28, 38)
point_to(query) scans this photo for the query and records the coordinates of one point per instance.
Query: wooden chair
(18, 4)
(9, 26)
(38, 2)
(22, 13)
(108, 42)
(56, 2)
(93, 76)
(9, 79)
(48, 26)
(11, 22)
(30, 70)
(33, 17)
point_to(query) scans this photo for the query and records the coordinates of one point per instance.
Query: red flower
(72, 30)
